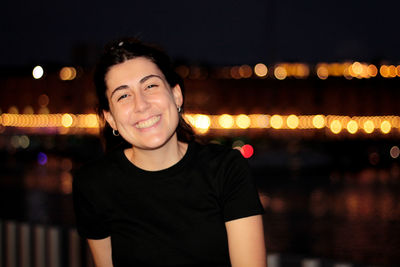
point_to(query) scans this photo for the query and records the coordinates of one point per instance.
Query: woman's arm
(101, 251)
(246, 242)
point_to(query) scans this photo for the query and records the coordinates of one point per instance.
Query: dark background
(215, 32)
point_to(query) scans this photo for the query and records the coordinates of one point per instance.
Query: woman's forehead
(132, 70)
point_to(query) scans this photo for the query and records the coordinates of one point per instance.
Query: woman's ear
(110, 119)
(177, 93)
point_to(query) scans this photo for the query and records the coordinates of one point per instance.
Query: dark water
(336, 199)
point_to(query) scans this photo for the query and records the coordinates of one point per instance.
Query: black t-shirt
(170, 217)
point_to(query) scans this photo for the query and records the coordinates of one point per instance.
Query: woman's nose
(141, 103)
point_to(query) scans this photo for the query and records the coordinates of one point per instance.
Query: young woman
(164, 200)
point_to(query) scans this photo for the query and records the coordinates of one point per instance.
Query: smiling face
(143, 106)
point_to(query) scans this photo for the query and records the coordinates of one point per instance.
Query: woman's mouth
(148, 123)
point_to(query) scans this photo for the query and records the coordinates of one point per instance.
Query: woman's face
(143, 107)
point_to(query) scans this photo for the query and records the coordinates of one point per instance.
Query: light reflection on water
(342, 215)
(356, 218)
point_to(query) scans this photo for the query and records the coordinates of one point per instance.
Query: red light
(247, 151)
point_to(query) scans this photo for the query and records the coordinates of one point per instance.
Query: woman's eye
(122, 97)
(151, 86)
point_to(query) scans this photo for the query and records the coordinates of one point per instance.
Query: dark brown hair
(124, 49)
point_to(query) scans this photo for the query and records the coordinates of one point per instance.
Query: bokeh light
(28, 110)
(261, 121)
(235, 72)
(245, 71)
(247, 151)
(91, 121)
(352, 126)
(183, 71)
(13, 110)
(42, 158)
(384, 71)
(336, 126)
(372, 70)
(280, 72)
(322, 71)
(67, 120)
(243, 121)
(226, 121)
(43, 100)
(37, 72)
(292, 121)
(67, 73)
(276, 121)
(369, 126)
(395, 152)
(24, 141)
(260, 70)
(202, 122)
(318, 121)
(386, 127)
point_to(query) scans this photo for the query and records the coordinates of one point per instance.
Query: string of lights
(202, 123)
(280, 71)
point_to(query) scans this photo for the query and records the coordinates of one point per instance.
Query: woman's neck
(157, 159)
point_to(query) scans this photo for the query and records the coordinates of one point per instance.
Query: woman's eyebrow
(122, 87)
(143, 80)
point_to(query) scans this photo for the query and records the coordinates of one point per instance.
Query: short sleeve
(240, 197)
(91, 221)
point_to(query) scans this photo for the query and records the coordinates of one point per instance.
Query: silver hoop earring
(115, 132)
(179, 109)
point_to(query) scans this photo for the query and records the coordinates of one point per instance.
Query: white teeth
(148, 123)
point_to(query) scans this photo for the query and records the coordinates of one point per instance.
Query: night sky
(218, 32)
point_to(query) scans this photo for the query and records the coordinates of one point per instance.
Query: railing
(29, 245)
(26, 245)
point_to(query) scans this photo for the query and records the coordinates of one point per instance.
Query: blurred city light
(260, 121)
(243, 121)
(67, 120)
(247, 151)
(372, 70)
(322, 71)
(395, 152)
(352, 127)
(292, 121)
(336, 126)
(13, 110)
(369, 126)
(28, 110)
(318, 121)
(183, 71)
(89, 123)
(67, 73)
(37, 72)
(24, 141)
(276, 121)
(43, 100)
(202, 122)
(386, 127)
(245, 71)
(226, 121)
(42, 158)
(260, 70)
(280, 72)
(235, 74)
